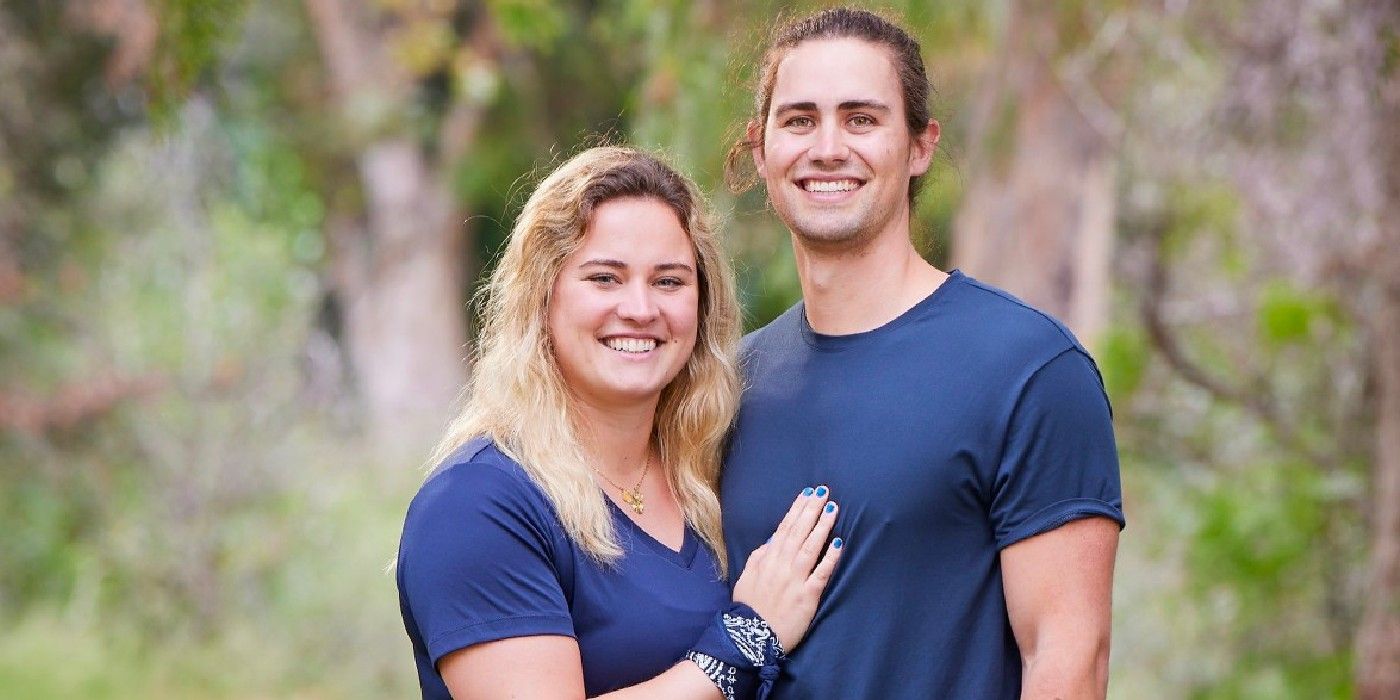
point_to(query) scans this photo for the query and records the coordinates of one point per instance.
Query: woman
(569, 542)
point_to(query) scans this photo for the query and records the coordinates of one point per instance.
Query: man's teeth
(829, 185)
(631, 344)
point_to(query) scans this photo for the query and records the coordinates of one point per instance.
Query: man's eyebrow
(846, 106)
(863, 104)
(796, 106)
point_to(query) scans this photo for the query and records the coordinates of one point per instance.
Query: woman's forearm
(684, 681)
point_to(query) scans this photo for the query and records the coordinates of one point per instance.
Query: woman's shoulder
(479, 477)
(477, 457)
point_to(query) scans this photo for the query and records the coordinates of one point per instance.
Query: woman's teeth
(637, 345)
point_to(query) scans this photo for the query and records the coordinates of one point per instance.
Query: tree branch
(1257, 402)
(76, 403)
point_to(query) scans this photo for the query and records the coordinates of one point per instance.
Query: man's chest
(899, 450)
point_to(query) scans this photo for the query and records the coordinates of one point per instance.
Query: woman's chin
(628, 394)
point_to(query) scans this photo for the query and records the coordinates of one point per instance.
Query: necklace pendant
(634, 499)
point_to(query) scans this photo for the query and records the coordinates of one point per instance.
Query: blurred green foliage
(192, 32)
(1289, 316)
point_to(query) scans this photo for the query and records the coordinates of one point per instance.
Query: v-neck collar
(689, 541)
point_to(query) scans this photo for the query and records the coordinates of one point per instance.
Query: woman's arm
(548, 667)
(782, 582)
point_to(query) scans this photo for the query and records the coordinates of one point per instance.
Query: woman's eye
(602, 278)
(672, 282)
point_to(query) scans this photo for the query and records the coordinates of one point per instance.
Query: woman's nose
(637, 302)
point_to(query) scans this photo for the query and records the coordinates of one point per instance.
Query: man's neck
(861, 289)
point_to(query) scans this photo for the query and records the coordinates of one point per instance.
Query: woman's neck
(617, 438)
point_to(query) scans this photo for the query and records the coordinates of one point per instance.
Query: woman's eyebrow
(619, 265)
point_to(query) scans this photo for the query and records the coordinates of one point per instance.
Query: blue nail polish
(807, 491)
(821, 490)
(831, 507)
(837, 543)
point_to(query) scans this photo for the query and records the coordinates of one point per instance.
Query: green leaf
(1287, 315)
(1122, 357)
(532, 23)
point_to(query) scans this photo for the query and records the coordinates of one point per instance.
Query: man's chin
(828, 233)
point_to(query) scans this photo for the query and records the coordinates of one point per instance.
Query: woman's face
(625, 307)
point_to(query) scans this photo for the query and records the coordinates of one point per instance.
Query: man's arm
(1059, 588)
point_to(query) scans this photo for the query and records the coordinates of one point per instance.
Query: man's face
(836, 154)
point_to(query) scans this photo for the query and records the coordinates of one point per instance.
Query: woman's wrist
(739, 653)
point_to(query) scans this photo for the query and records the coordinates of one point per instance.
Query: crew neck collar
(823, 341)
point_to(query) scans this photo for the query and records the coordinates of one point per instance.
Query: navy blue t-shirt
(484, 557)
(967, 424)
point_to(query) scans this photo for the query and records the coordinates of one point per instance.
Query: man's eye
(862, 120)
(800, 122)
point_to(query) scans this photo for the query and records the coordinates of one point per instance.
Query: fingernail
(807, 491)
(837, 543)
(831, 507)
(821, 490)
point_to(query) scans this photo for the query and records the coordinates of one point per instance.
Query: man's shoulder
(779, 332)
(999, 321)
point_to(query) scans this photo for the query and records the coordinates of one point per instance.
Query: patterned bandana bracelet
(739, 654)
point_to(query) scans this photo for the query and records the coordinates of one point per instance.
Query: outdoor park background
(237, 238)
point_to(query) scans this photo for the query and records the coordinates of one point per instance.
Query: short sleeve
(1059, 462)
(476, 562)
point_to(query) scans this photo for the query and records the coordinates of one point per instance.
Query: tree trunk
(1378, 639)
(404, 310)
(1037, 217)
(398, 264)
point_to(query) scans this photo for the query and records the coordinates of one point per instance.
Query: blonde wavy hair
(517, 396)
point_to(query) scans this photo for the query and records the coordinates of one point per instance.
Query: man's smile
(840, 185)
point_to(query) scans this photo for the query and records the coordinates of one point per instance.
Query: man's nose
(830, 144)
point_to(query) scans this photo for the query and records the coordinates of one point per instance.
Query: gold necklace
(632, 496)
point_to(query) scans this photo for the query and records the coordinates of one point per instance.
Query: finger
(791, 515)
(821, 575)
(801, 525)
(812, 547)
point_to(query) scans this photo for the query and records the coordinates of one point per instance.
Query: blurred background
(238, 237)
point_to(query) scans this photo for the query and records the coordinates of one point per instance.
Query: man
(965, 435)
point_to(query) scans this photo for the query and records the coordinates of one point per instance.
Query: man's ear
(924, 146)
(753, 133)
